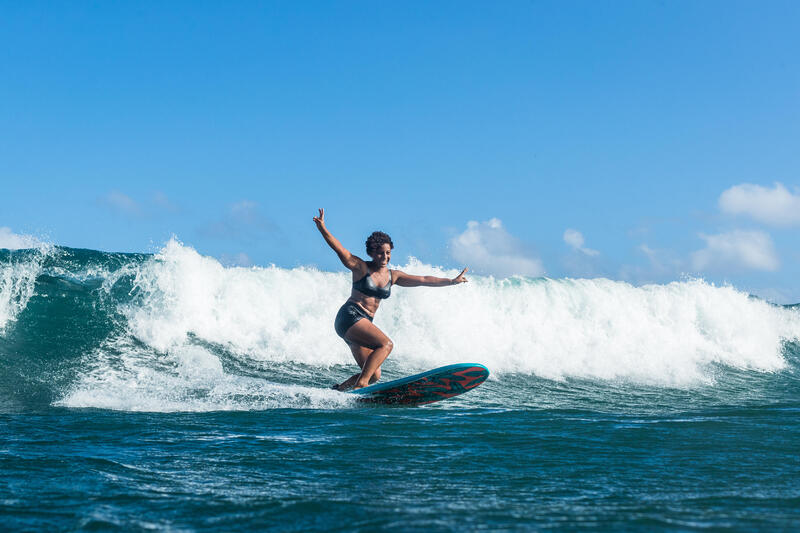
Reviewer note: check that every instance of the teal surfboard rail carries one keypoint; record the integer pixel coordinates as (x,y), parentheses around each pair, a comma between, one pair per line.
(427,387)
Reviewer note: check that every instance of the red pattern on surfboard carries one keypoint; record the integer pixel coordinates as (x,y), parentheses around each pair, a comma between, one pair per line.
(431,389)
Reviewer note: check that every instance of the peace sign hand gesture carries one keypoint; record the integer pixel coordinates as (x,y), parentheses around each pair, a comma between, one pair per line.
(460,278)
(320,220)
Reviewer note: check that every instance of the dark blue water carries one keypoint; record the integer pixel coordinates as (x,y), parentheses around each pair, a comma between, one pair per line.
(104,425)
(368,469)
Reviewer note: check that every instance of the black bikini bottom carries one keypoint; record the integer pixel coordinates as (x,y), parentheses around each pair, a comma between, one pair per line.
(348,314)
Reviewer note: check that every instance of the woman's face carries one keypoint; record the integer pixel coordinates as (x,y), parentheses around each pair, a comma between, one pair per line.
(382,254)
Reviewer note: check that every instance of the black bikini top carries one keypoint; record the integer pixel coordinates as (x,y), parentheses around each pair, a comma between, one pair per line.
(368,287)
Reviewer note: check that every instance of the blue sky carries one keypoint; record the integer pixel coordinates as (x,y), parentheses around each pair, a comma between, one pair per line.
(644,141)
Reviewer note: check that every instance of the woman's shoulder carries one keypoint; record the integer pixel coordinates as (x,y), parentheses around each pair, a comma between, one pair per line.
(360,269)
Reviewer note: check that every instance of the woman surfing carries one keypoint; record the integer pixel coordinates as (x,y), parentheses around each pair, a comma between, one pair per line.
(372,282)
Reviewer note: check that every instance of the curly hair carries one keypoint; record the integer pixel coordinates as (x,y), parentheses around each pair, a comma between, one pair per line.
(375,241)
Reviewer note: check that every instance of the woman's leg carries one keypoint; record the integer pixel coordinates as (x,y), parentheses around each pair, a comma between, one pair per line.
(360,354)
(365,334)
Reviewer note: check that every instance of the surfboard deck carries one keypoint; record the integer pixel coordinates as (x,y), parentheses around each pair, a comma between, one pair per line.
(428,387)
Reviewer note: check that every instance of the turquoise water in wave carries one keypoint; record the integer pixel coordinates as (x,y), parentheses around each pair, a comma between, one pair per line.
(169,392)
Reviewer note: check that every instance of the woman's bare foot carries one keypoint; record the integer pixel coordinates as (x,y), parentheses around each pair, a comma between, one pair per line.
(347,384)
(360,384)
(355,382)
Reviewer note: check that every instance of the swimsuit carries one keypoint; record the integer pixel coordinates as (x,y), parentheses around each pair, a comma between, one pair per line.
(351,312)
(368,287)
(348,314)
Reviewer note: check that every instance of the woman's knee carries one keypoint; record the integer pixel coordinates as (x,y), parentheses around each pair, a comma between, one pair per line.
(388,344)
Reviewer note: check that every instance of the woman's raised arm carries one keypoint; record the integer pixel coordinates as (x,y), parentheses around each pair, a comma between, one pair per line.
(407,280)
(349,260)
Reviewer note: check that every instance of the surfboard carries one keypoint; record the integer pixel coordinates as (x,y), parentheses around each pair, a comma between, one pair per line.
(428,387)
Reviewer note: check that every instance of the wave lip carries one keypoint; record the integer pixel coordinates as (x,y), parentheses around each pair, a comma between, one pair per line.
(18,281)
(183,332)
(668,335)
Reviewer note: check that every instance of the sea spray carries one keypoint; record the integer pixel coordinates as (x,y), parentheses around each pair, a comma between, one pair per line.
(179,331)
(18,272)
(553,328)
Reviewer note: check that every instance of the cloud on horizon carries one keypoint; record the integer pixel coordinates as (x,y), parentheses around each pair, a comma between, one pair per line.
(750,250)
(574,239)
(662,262)
(236,260)
(120,203)
(487,247)
(161,201)
(776,206)
(243,221)
(123,204)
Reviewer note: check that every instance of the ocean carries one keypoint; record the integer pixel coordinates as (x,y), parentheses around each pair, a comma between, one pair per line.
(169,392)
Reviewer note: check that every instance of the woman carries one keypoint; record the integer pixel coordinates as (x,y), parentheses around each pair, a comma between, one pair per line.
(372,282)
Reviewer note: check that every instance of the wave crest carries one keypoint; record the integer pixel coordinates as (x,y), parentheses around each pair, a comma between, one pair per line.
(555,328)
(180,331)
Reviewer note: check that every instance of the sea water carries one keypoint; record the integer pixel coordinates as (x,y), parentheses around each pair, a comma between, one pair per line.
(169,392)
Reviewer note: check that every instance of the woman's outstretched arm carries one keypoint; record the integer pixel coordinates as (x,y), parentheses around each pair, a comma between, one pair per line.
(407,280)
(349,260)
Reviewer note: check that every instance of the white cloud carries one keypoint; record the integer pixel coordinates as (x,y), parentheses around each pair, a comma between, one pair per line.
(11,241)
(163,202)
(649,252)
(735,250)
(121,203)
(245,210)
(657,262)
(238,260)
(663,262)
(574,238)
(244,206)
(777,206)
(662,265)
(243,221)
(488,247)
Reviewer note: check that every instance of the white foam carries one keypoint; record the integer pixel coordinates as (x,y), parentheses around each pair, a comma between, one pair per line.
(17,286)
(657,334)
(124,377)
(552,328)
(269,313)
(672,335)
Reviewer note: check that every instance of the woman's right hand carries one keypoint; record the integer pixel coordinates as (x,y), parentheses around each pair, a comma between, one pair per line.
(320,220)
(460,278)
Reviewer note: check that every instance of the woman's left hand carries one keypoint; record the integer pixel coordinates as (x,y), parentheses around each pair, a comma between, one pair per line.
(320,220)
(460,278)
